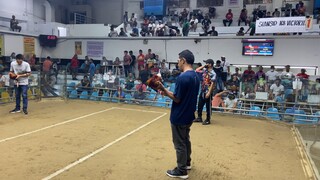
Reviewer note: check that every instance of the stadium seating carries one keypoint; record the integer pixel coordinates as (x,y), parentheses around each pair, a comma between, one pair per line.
(273,113)
(84,95)
(94,96)
(105,97)
(255,111)
(73,94)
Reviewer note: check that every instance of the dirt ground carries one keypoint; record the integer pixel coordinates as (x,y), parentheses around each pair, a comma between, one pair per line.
(57,133)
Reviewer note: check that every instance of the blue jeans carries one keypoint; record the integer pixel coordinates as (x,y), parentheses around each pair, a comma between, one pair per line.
(21,89)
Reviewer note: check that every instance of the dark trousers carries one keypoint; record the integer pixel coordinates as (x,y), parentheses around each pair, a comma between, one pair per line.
(127,70)
(225,22)
(182,145)
(204,101)
(21,90)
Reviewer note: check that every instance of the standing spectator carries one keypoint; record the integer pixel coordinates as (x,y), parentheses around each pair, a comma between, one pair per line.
(226,68)
(303,75)
(133,63)
(237,73)
(252,27)
(46,67)
(32,62)
(126,63)
(14,24)
(260,74)
(218,69)
(185,28)
(276,13)
(207,85)
(229,18)
(144,74)
(140,59)
(182,113)
(92,70)
(248,74)
(272,75)
(12,56)
(132,20)
(287,77)
(74,65)
(22,70)
(125,21)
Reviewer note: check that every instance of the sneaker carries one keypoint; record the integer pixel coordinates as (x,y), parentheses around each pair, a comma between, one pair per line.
(206,122)
(25,112)
(15,111)
(176,173)
(198,119)
(188,167)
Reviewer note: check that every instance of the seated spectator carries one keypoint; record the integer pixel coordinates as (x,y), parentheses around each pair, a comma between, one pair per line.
(276,91)
(233,84)
(165,72)
(229,18)
(230,103)
(213,32)
(112,33)
(155,69)
(193,24)
(133,21)
(272,75)
(240,32)
(135,32)
(261,85)
(217,100)
(206,24)
(268,15)
(129,81)
(122,33)
(140,91)
(243,17)
(119,93)
(237,73)
(174,74)
(84,84)
(144,74)
(14,24)
(248,90)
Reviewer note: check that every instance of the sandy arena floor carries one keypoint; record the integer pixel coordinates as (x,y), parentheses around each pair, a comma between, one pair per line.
(133,142)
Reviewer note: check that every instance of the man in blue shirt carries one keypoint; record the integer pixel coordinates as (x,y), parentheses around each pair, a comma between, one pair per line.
(182,112)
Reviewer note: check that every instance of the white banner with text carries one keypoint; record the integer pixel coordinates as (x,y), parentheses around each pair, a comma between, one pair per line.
(283,24)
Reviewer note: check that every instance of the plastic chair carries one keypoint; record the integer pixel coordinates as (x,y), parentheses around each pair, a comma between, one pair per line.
(105,97)
(161,102)
(273,113)
(94,96)
(317,118)
(128,98)
(71,86)
(73,94)
(255,111)
(299,117)
(172,87)
(84,95)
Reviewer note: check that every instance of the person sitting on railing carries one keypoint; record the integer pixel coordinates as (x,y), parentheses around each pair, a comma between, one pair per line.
(206,24)
(135,32)
(276,91)
(193,23)
(240,32)
(14,24)
(133,20)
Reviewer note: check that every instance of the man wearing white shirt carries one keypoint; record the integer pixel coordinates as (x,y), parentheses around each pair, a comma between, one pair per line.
(276,90)
(271,75)
(226,68)
(287,74)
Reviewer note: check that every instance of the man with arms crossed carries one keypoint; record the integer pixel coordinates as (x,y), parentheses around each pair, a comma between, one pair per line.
(23,71)
(182,112)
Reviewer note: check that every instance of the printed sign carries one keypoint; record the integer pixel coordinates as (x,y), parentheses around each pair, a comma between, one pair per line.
(95,49)
(1,45)
(78,47)
(28,43)
(281,25)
